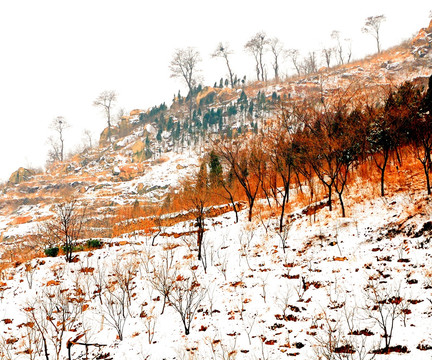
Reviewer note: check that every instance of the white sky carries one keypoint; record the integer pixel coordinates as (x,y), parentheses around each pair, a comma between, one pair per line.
(57,56)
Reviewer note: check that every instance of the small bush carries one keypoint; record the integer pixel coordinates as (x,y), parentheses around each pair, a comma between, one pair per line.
(94,243)
(52,252)
(74,248)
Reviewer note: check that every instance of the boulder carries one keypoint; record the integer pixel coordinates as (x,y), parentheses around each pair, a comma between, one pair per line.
(206,95)
(139,152)
(103,139)
(135,112)
(20,176)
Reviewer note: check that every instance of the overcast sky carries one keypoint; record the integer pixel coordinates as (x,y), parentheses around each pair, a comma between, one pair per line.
(57,56)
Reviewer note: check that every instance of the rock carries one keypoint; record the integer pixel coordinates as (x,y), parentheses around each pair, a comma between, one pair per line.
(393,66)
(124,127)
(139,152)
(20,176)
(206,95)
(140,189)
(116,171)
(135,112)
(422,43)
(103,139)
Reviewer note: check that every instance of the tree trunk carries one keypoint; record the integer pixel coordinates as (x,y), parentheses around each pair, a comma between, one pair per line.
(282,212)
(164,303)
(230,72)
(426,170)
(235,210)
(330,197)
(285,198)
(251,204)
(342,203)
(200,235)
(383,168)
(383,177)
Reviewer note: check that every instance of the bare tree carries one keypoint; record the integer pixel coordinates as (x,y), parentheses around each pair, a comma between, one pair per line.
(310,64)
(196,194)
(66,226)
(184,65)
(327,54)
(339,52)
(224,51)
(246,161)
(59,125)
(277,49)
(293,54)
(256,46)
(372,27)
(87,139)
(348,49)
(106,101)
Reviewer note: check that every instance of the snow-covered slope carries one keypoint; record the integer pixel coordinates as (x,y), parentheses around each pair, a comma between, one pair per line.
(253,299)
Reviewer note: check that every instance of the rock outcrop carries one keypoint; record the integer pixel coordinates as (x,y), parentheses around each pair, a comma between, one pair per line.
(21,175)
(422,43)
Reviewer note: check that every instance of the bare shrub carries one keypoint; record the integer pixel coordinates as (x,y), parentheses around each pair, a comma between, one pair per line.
(186,296)
(164,275)
(383,304)
(150,321)
(125,271)
(115,308)
(53,313)
(65,228)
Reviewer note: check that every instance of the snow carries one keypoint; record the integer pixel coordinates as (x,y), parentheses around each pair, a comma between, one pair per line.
(249,281)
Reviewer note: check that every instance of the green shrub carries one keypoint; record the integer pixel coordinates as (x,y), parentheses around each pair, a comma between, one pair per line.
(94,243)
(52,252)
(74,248)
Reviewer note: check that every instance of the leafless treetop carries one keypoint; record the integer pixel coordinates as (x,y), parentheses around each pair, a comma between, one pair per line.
(184,65)
(372,27)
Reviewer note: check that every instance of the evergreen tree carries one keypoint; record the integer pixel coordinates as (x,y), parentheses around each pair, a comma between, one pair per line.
(251,108)
(170,123)
(176,134)
(215,174)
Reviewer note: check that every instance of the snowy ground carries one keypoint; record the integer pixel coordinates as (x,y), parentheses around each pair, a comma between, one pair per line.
(254,301)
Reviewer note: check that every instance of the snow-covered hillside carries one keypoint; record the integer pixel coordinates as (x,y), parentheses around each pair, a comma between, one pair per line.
(249,298)
(326,287)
